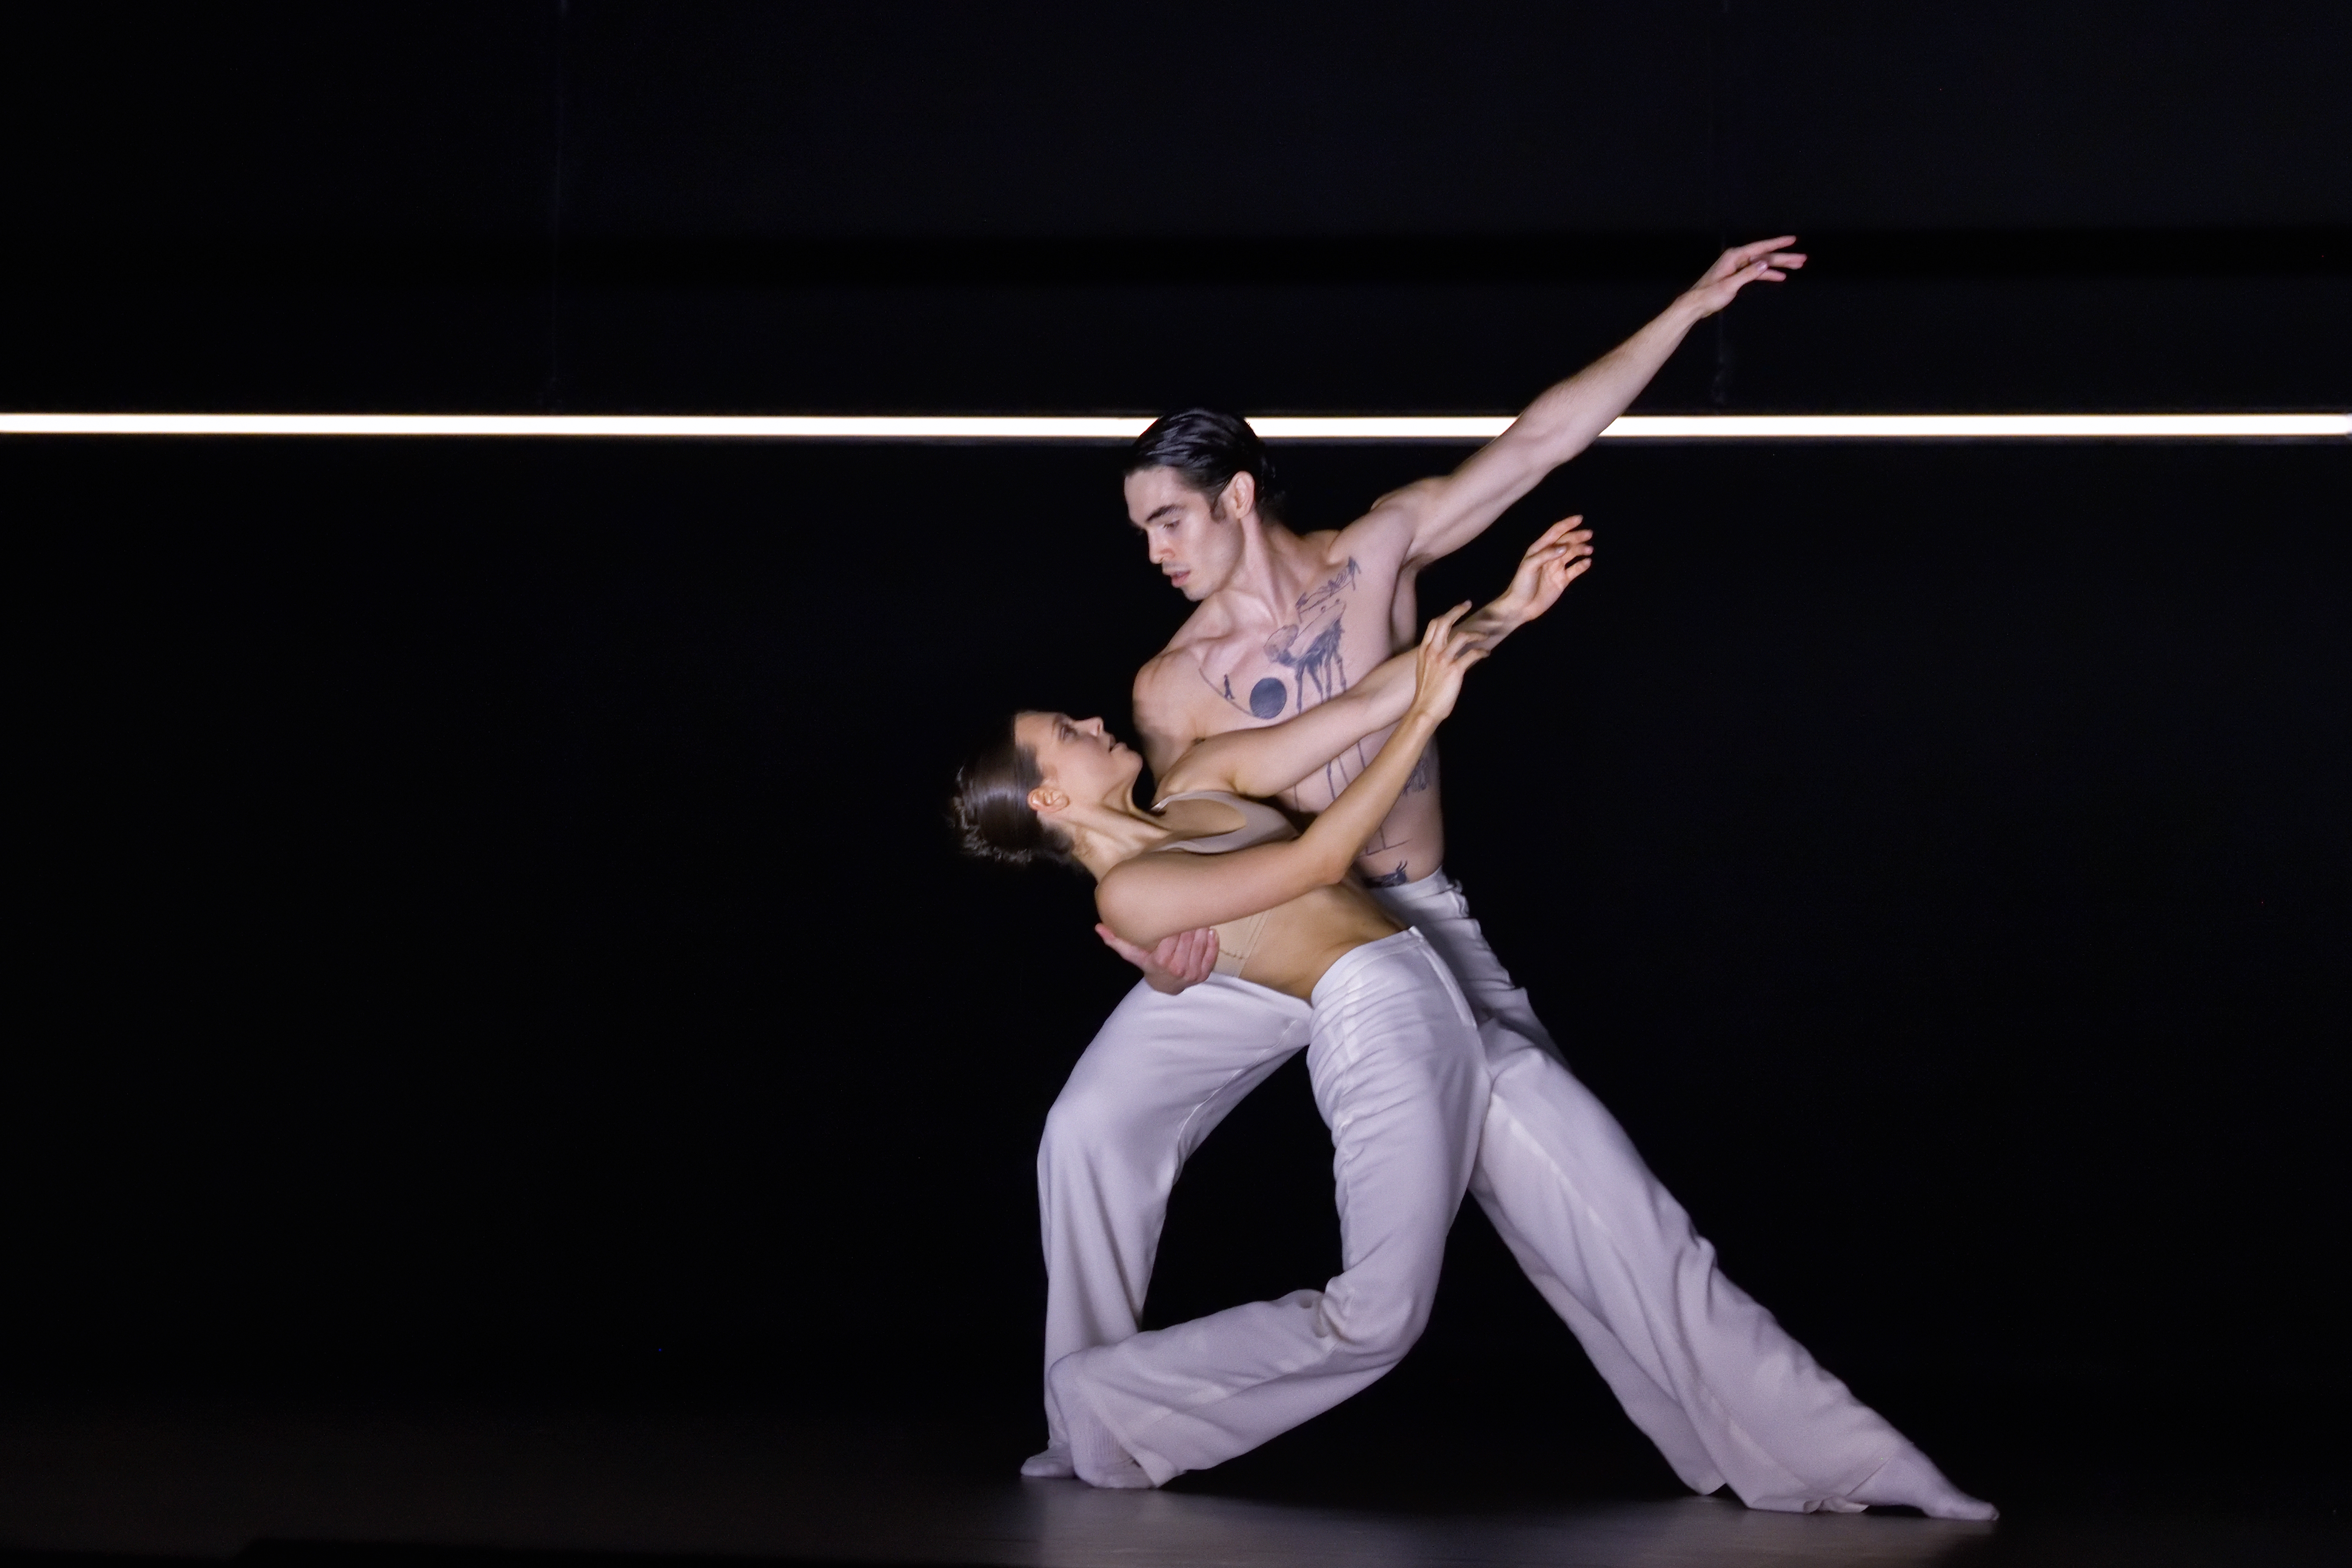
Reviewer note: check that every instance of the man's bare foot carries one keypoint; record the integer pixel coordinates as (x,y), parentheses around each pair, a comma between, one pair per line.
(1911,1479)
(1095,1452)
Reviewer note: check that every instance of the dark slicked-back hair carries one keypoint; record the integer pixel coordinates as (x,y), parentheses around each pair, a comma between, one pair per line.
(991,813)
(1206,448)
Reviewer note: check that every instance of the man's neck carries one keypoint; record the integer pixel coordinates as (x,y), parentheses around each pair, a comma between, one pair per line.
(1262,593)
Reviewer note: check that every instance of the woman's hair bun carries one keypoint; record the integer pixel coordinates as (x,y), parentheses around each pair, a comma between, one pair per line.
(990,810)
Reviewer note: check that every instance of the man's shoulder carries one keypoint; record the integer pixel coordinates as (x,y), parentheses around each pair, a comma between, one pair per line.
(1157,670)
(1166,683)
(1324,550)
(1376,543)
(1167,700)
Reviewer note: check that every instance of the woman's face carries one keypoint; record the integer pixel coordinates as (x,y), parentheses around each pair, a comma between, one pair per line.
(1078,756)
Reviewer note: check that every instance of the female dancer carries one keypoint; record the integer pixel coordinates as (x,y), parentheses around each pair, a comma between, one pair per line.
(1393,1052)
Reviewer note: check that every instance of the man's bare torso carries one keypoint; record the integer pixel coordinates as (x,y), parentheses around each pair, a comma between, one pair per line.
(1344,616)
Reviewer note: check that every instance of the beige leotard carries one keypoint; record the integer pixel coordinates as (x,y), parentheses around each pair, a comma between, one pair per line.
(1261,823)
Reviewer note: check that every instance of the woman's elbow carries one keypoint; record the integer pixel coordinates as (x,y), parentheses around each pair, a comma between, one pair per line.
(1333,863)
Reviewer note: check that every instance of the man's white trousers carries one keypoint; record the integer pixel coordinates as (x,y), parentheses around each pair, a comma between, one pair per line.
(1706,1373)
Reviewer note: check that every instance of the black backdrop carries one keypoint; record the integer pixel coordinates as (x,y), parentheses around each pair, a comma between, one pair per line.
(489,908)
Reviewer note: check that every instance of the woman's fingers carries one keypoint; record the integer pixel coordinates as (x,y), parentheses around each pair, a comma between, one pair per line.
(1566,535)
(1560,530)
(1441,627)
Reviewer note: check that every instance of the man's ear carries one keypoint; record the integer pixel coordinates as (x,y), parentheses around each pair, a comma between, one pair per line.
(1233,502)
(1046,800)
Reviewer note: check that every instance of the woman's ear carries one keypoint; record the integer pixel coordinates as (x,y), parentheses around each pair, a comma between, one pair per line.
(1046,800)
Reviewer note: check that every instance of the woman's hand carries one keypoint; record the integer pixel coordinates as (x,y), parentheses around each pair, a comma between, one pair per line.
(1560,554)
(1447,652)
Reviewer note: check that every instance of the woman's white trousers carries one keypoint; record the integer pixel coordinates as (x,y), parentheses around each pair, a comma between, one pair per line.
(1706,1372)
(1400,1080)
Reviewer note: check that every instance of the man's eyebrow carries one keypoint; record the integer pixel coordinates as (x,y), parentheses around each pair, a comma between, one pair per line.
(1169,506)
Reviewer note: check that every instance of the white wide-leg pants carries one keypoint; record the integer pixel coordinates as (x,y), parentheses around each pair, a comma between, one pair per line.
(1706,1372)
(1400,1080)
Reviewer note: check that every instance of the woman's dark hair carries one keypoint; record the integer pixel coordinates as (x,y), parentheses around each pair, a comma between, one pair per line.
(992,811)
(1207,450)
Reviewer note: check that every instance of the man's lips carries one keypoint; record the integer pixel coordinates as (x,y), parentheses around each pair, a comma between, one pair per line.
(1178,576)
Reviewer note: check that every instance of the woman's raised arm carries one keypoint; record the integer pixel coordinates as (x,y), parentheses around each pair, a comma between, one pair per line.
(1266,762)
(1155,896)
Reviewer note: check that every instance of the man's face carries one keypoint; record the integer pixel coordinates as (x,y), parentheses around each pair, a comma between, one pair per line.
(1193,540)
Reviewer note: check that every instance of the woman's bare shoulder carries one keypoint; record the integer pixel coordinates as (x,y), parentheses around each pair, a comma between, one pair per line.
(1200,817)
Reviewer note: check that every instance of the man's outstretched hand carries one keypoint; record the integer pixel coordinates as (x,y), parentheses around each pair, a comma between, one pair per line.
(1762,262)
(1185,958)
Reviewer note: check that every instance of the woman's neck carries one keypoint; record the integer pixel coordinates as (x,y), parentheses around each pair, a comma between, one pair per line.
(1114,831)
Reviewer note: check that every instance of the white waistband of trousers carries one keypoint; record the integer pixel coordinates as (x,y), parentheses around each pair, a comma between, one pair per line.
(1343,968)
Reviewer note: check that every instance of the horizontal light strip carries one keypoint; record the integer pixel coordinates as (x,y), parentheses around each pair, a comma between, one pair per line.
(1089,427)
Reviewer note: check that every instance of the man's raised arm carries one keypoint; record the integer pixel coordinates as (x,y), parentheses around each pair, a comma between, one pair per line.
(1439,516)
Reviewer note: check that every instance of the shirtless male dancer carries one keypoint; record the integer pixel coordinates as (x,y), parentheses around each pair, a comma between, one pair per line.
(1283,622)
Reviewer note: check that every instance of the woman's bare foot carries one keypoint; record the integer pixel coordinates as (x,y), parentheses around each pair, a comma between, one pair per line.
(1095,1452)
(1049,1465)
(1911,1479)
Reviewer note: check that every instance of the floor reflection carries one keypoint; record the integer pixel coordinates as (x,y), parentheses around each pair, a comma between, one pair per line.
(1076,1527)
(434,1486)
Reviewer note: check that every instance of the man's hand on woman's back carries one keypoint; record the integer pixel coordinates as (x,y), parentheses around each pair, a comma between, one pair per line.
(1177,962)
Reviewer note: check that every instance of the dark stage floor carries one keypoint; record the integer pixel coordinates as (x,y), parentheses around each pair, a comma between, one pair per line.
(426,1484)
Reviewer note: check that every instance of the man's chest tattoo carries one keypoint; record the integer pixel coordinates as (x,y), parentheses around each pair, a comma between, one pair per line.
(1311,649)
(1315,662)
(1311,653)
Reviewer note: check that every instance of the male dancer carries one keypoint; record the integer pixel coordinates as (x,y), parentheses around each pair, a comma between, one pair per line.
(1728,1396)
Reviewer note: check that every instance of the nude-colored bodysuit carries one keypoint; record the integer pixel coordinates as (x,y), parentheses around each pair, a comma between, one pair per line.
(1261,823)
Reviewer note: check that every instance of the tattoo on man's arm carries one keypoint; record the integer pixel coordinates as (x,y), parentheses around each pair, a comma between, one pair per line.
(1395,878)
(1338,582)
